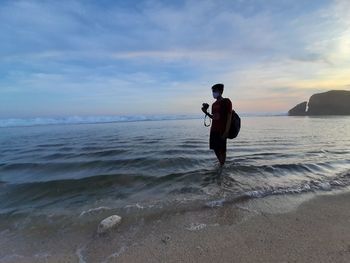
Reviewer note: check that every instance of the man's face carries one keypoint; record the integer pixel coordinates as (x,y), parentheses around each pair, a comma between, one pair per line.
(216,93)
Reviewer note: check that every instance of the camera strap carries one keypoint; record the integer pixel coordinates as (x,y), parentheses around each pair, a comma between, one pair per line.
(205,122)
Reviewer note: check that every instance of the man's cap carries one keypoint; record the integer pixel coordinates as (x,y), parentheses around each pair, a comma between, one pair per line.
(218,86)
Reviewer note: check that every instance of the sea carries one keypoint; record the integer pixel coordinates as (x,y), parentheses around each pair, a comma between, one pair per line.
(64,171)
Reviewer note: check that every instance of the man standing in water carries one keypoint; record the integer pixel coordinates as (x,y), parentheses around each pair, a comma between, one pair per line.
(221,115)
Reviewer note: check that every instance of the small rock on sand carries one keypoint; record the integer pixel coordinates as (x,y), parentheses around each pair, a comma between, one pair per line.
(165,239)
(108,223)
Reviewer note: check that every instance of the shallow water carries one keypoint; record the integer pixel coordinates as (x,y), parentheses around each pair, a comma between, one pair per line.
(77,174)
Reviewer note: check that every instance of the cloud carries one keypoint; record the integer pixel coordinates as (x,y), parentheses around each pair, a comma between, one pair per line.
(76,27)
(111,52)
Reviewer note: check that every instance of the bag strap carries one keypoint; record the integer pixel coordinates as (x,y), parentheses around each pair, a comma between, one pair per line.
(225,103)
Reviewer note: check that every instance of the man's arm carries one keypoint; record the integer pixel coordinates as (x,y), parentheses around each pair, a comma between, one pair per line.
(207,113)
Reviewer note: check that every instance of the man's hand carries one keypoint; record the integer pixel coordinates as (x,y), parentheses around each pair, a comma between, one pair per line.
(207,113)
(224,136)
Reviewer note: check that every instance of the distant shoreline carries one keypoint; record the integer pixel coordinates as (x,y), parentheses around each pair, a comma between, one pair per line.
(35,122)
(74,120)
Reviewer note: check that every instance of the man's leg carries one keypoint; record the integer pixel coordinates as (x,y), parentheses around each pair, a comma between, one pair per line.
(221,155)
(217,153)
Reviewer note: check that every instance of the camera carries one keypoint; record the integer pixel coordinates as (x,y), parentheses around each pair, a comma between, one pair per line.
(205,107)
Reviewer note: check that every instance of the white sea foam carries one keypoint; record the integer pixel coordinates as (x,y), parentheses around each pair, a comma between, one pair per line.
(94,210)
(196,227)
(215,203)
(324,186)
(137,205)
(115,255)
(255,194)
(337,183)
(79,254)
(16,122)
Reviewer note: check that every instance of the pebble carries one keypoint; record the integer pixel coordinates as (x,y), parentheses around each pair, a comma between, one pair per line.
(166,239)
(108,223)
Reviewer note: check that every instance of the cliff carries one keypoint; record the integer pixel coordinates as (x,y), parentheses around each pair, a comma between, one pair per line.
(299,110)
(334,102)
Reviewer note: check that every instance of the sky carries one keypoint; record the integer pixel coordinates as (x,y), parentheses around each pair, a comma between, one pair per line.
(104,57)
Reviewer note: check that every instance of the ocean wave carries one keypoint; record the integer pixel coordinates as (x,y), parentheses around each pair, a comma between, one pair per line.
(119,185)
(311,186)
(20,122)
(190,183)
(153,167)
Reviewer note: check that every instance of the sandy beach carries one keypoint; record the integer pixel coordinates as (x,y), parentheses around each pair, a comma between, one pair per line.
(317,231)
(275,229)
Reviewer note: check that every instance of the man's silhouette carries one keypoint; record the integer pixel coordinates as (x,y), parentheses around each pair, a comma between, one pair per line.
(221,113)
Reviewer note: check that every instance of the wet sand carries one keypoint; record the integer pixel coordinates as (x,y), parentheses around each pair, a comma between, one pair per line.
(275,229)
(317,231)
